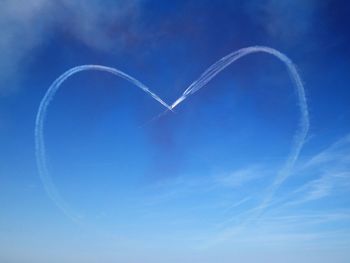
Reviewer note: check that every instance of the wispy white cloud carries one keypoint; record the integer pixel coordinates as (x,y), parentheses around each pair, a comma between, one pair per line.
(277,18)
(301,229)
(28,24)
(338,154)
(325,175)
(20,34)
(324,186)
(228,182)
(238,178)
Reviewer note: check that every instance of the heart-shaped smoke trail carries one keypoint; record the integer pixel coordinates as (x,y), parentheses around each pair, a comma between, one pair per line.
(209,74)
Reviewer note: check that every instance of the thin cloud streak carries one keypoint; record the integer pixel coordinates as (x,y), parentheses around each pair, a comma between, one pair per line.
(330,178)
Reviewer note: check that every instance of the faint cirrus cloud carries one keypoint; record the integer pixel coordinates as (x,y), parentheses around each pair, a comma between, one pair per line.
(27,25)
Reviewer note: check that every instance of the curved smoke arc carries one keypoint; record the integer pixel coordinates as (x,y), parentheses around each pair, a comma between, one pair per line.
(40,150)
(304,123)
(208,75)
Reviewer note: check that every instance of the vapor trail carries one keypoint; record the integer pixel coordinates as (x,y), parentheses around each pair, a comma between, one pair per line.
(301,133)
(40,120)
(208,75)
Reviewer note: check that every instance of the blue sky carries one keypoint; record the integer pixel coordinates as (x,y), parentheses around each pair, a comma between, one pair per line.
(184,187)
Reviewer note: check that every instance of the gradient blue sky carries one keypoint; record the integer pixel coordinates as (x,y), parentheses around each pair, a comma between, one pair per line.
(181,188)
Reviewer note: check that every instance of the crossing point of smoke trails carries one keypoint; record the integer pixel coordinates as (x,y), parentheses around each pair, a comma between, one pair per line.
(208,75)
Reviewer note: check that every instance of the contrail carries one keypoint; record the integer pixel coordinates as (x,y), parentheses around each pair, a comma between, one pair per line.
(39,127)
(208,75)
(304,123)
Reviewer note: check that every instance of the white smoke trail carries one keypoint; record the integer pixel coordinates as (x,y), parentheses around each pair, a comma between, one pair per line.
(209,74)
(39,128)
(300,135)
